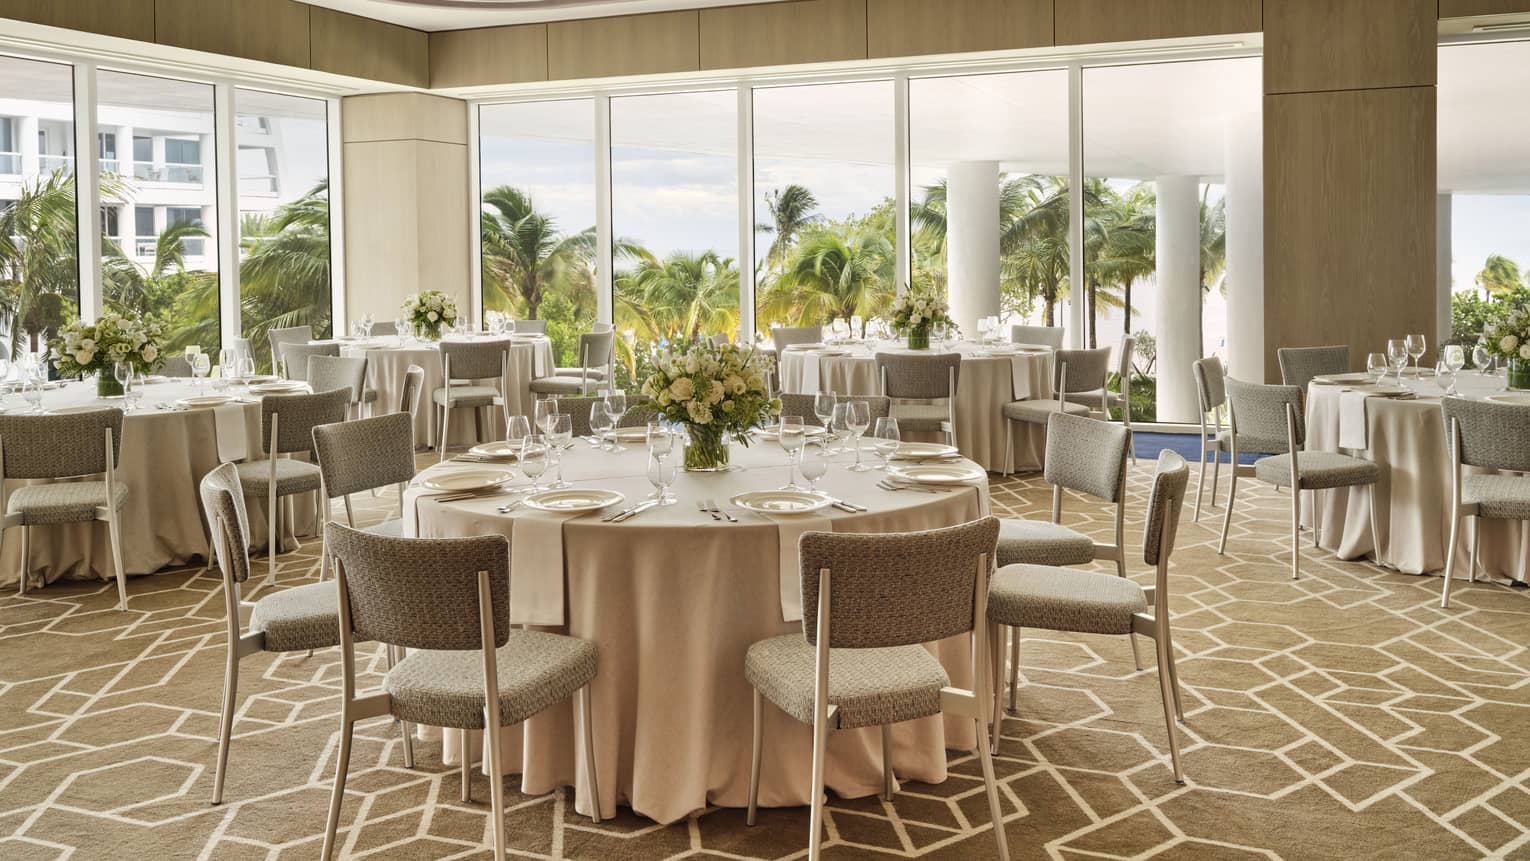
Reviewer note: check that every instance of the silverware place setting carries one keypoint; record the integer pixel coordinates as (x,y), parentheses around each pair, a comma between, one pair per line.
(718,513)
(889,484)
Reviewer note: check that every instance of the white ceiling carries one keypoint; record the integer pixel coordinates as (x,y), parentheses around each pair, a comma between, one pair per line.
(461,14)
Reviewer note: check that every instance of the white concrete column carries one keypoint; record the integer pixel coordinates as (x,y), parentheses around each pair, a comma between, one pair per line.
(125,151)
(1443,259)
(26,131)
(1245,247)
(1179,295)
(972,242)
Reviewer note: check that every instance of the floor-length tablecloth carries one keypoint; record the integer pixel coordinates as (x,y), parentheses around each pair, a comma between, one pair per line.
(673,600)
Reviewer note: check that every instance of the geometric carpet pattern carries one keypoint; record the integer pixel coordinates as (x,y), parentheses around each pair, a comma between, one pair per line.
(1342,715)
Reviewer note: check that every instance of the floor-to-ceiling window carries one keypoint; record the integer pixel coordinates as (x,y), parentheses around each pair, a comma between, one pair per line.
(282,160)
(39,265)
(825,186)
(163,262)
(537,219)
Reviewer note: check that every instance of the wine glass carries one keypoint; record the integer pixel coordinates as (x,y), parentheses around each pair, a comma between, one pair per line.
(616,405)
(1455,357)
(544,412)
(662,472)
(401,329)
(887,440)
(366,326)
(660,441)
(1397,352)
(225,370)
(1482,359)
(815,464)
(132,392)
(823,408)
(1377,365)
(858,420)
(560,436)
(200,367)
(792,435)
(517,431)
(247,367)
(32,390)
(1445,378)
(122,372)
(1416,347)
(534,460)
(601,422)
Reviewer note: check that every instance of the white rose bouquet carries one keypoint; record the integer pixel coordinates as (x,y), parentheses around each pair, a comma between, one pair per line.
(429,310)
(915,311)
(83,348)
(1507,336)
(716,392)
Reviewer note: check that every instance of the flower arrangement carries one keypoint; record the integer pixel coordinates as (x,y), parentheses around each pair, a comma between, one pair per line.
(915,311)
(429,310)
(81,348)
(1506,334)
(713,391)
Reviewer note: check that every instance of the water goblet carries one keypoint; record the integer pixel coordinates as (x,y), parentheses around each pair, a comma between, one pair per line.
(662,472)
(32,392)
(858,420)
(1416,346)
(1455,357)
(517,431)
(1482,359)
(1445,378)
(815,464)
(543,412)
(823,408)
(1377,365)
(122,372)
(602,423)
(616,405)
(560,437)
(792,435)
(132,392)
(887,440)
(534,460)
(200,368)
(401,329)
(661,443)
(1397,353)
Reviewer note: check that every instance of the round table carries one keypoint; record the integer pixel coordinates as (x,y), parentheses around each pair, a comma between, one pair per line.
(987,382)
(1407,437)
(674,598)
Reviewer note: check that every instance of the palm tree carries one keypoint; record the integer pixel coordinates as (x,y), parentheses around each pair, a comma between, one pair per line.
(1120,248)
(835,272)
(1499,275)
(38,269)
(525,255)
(185,300)
(792,208)
(284,277)
(682,296)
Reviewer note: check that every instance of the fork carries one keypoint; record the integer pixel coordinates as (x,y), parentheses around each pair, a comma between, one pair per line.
(888,485)
(712,506)
(705,506)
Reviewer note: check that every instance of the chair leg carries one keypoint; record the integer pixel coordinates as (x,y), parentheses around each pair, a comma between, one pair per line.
(1450,560)
(1232,495)
(756,751)
(1216,474)
(1317,518)
(1165,689)
(491,740)
(820,756)
(467,767)
(208,564)
(1296,533)
(995,812)
(996,634)
(887,766)
(1471,568)
(114,534)
(1136,655)
(273,537)
(1200,483)
(1009,447)
(478,424)
(588,729)
(406,733)
(1179,706)
(1014,668)
(446,423)
(342,765)
(26,558)
(226,720)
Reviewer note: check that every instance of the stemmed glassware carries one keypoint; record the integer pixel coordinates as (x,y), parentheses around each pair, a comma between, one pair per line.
(544,414)
(200,367)
(1416,346)
(1452,360)
(792,436)
(601,423)
(662,468)
(560,437)
(33,381)
(815,464)
(1482,359)
(616,404)
(1397,353)
(1377,365)
(401,329)
(122,372)
(534,460)
(823,408)
(132,391)
(366,326)
(517,432)
(857,420)
(887,440)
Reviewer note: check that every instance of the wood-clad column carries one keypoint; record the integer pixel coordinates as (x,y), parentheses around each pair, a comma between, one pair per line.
(1349,154)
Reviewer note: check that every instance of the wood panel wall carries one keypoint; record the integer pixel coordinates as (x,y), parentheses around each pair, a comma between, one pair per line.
(907,28)
(128,19)
(773,34)
(1083,22)
(1467,8)
(274,31)
(490,55)
(364,48)
(626,45)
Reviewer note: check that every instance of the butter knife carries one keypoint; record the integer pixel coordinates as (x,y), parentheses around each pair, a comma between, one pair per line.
(634,511)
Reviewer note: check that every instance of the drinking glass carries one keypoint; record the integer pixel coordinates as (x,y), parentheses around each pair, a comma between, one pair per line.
(823,408)
(1455,357)
(1397,352)
(132,392)
(200,367)
(616,405)
(1376,365)
(1445,377)
(815,464)
(122,372)
(601,422)
(1482,359)
(366,326)
(887,439)
(660,441)
(225,370)
(401,329)
(191,352)
(661,474)
(792,435)
(247,367)
(534,460)
(1416,347)
(517,431)
(857,326)
(560,437)
(32,391)
(859,420)
(543,414)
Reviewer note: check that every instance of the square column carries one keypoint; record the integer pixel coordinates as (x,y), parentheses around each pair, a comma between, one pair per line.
(972,242)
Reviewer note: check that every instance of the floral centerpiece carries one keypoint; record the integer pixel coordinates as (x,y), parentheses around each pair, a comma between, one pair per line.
(82,348)
(914,312)
(1506,335)
(715,392)
(430,310)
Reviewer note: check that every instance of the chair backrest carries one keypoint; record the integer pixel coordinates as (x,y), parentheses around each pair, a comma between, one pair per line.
(785,336)
(1124,357)
(1045,336)
(802,405)
(300,414)
(1169,483)
(529,327)
(896,588)
(1209,385)
(176,366)
(1086,369)
(384,327)
(365,454)
(414,383)
(294,364)
(1298,365)
(326,373)
(289,335)
(1086,455)
(58,446)
(1493,435)
(223,503)
(476,360)
(719,339)
(924,376)
(421,593)
(1257,415)
(597,349)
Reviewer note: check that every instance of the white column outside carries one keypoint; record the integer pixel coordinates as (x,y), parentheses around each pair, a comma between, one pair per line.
(1245,248)
(125,151)
(972,242)
(26,129)
(1443,231)
(1179,296)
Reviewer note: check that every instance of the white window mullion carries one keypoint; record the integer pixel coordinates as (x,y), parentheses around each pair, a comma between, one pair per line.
(87,191)
(226,231)
(904,171)
(339,317)
(603,238)
(475,216)
(748,278)
(1076,275)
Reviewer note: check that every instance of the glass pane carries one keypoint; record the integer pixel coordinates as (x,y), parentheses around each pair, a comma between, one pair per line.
(284,267)
(39,272)
(1171,151)
(167,266)
(674,202)
(825,189)
(538,225)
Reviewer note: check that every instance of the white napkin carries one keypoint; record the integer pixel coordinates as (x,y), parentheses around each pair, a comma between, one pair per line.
(230,429)
(790,530)
(1352,429)
(1020,377)
(536,567)
(810,376)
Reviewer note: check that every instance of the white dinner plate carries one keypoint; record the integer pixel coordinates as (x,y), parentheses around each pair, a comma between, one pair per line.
(774,431)
(529,336)
(1343,379)
(923,450)
(1004,352)
(782,501)
(286,387)
(1387,391)
(1519,399)
(499,449)
(66,411)
(573,499)
(468,480)
(633,434)
(938,473)
(155,378)
(800,347)
(204,401)
(1033,348)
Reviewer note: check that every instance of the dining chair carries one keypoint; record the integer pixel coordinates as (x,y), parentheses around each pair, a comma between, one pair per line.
(384,328)
(1092,602)
(720,339)
(277,338)
(302,618)
(1298,365)
(53,447)
(921,378)
(447,600)
(802,405)
(294,365)
(464,364)
(176,366)
(1212,395)
(365,454)
(1073,371)
(597,353)
(326,373)
(529,327)
(1042,336)
(786,336)
(869,604)
(409,396)
(1107,399)
(286,424)
(1267,419)
(1485,435)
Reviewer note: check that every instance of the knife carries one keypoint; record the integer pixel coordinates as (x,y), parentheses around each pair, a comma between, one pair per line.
(634,511)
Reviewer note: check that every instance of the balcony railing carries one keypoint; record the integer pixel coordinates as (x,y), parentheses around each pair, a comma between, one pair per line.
(51,163)
(181,173)
(10,162)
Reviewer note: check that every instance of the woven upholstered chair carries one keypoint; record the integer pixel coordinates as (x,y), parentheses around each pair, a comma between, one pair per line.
(384,328)
(447,600)
(1104,399)
(295,358)
(61,447)
(1090,602)
(464,365)
(414,383)
(1041,336)
(1268,420)
(578,410)
(176,366)
(278,338)
(287,423)
(303,618)
(326,373)
(719,340)
(869,603)
(366,454)
(802,405)
(1298,365)
(1485,435)
(923,379)
(1073,372)
(1211,392)
(529,327)
(597,352)
(786,336)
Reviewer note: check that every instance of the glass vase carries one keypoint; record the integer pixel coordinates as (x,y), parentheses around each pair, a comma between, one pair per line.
(1518,371)
(707,450)
(107,385)
(919,338)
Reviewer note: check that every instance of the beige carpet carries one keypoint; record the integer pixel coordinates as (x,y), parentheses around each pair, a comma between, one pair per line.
(1344,715)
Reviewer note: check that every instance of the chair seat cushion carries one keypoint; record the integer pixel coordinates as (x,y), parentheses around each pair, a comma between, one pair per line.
(297,619)
(1500,496)
(1319,470)
(467,396)
(921,418)
(561,385)
(1039,411)
(390,528)
(1251,444)
(536,670)
(61,502)
(1091,399)
(292,476)
(1064,599)
(1038,542)
(872,687)
(595,373)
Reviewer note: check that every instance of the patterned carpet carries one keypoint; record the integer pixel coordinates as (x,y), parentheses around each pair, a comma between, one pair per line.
(1344,715)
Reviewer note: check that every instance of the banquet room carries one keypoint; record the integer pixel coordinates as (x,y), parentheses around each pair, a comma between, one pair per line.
(764,429)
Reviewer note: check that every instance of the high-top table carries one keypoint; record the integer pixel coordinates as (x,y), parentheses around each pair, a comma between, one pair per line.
(674,599)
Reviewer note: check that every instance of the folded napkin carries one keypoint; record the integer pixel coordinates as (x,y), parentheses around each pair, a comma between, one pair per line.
(1020,377)
(790,530)
(232,432)
(536,567)
(810,374)
(1352,422)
